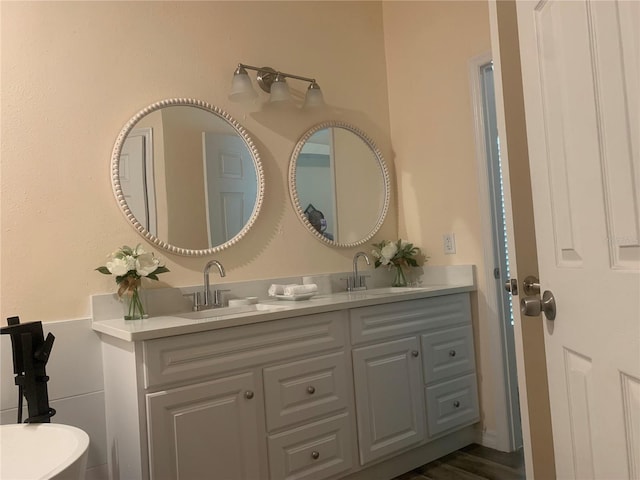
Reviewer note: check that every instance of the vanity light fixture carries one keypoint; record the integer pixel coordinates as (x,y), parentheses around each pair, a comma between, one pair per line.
(273,82)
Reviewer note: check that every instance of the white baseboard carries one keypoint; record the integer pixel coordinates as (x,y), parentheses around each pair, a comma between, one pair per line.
(489,439)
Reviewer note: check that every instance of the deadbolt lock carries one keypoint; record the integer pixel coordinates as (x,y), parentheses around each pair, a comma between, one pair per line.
(531,285)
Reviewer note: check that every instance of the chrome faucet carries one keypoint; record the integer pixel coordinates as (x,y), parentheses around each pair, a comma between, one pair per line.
(208,301)
(357,281)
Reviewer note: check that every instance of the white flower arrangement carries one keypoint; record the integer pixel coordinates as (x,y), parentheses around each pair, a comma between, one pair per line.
(129,265)
(398,253)
(397,256)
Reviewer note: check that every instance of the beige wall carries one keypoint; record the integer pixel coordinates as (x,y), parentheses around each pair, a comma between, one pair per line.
(428,48)
(73,73)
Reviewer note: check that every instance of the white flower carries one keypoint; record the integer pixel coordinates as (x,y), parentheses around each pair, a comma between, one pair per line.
(145,264)
(118,266)
(387,252)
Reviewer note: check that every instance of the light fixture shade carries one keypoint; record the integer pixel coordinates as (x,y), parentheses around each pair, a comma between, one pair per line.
(241,87)
(314,96)
(280,90)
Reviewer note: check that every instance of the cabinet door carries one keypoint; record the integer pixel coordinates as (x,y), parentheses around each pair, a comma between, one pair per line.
(389,397)
(208,430)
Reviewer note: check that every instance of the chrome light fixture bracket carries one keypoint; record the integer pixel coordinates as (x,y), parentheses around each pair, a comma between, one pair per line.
(265,77)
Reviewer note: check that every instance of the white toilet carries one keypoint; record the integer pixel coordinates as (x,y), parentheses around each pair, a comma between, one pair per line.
(43,451)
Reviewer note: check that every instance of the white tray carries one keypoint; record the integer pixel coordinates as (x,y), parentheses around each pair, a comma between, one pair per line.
(300,296)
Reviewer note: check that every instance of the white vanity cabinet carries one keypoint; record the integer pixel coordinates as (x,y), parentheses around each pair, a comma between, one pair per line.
(362,391)
(416,357)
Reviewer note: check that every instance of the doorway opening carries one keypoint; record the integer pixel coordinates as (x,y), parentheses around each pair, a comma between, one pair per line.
(508,434)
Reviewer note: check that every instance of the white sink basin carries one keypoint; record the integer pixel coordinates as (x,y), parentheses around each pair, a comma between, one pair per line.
(226,311)
(42,450)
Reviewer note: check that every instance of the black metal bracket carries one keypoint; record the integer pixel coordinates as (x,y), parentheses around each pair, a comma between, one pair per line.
(31,353)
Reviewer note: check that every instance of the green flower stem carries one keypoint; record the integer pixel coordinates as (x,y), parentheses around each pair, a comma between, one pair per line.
(399,279)
(136,309)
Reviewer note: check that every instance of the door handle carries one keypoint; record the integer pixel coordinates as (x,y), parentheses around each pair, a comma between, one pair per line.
(511,286)
(533,306)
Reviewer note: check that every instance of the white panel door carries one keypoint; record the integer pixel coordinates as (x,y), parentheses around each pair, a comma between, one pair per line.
(580,63)
(389,397)
(230,185)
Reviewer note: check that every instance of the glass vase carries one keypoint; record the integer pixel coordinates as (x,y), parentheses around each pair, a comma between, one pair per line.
(133,304)
(399,277)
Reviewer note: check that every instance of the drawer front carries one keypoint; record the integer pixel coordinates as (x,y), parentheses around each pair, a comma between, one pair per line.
(402,318)
(305,389)
(452,404)
(182,358)
(447,353)
(313,452)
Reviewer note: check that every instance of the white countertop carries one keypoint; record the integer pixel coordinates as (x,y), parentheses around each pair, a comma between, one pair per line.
(169,325)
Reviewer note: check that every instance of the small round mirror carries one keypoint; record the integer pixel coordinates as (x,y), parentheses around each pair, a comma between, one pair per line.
(339,184)
(187,176)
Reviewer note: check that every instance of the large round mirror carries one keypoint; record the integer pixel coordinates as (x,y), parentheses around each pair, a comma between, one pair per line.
(339,184)
(187,176)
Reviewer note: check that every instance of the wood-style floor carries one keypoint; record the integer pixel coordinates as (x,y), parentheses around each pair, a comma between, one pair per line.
(473,462)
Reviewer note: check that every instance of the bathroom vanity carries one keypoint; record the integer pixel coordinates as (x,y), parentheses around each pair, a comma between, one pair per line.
(350,385)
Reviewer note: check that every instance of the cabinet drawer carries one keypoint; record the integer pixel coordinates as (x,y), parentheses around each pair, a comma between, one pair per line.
(305,389)
(452,404)
(447,353)
(402,318)
(312,452)
(185,357)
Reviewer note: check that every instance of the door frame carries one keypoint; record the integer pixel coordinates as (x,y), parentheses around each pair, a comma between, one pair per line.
(535,413)
(504,437)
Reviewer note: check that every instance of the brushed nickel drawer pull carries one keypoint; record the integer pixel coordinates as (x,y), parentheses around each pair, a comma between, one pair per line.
(452,353)
(315,455)
(248,394)
(311,390)
(456,404)
(415,353)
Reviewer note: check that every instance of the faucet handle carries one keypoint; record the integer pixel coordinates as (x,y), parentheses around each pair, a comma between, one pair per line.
(356,283)
(217,296)
(195,299)
(362,281)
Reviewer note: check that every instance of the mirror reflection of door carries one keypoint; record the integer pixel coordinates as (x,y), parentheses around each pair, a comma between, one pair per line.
(136,177)
(315,178)
(230,185)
